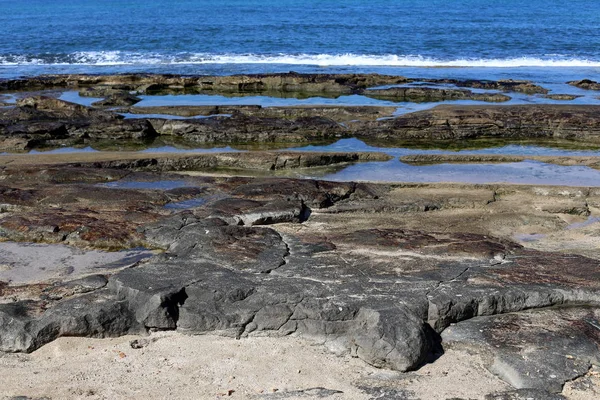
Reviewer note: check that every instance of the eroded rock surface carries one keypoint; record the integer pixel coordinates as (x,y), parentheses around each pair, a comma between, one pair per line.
(44,121)
(538,349)
(468,122)
(103,85)
(427,94)
(365,269)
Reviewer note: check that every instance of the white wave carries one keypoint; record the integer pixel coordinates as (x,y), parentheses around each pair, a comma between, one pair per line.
(115,58)
(398,61)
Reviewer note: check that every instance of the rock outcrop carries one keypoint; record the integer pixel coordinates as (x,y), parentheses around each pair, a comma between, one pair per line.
(242,263)
(430,94)
(585,84)
(469,122)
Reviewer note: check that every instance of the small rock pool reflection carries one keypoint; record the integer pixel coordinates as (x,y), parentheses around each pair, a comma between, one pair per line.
(525,172)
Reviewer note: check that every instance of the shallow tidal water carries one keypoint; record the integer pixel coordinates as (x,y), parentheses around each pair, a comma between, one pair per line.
(525,172)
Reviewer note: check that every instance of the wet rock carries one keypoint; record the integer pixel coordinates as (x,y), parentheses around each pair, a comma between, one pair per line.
(585,84)
(256,160)
(286,82)
(38,121)
(104,91)
(468,122)
(427,94)
(118,99)
(561,96)
(53,107)
(336,113)
(278,82)
(115,229)
(194,111)
(243,128)
(506,85)
(45,121)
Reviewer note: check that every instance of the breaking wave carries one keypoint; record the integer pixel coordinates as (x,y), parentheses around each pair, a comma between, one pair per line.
(108,58)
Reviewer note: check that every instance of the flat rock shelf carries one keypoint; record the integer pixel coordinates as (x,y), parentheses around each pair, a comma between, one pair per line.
(399,279)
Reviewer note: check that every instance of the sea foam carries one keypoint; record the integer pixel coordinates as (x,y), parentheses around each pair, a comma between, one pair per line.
(108,58)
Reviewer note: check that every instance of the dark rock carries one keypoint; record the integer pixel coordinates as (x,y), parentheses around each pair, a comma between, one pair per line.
(27,398)
(141,343)
(561,96)
(87,284)
(428,94)
(59,108)
(104,91)
(506,85)
(382,294)
(118,99)
(313,393)
(385,393)
(468,122)
(539,349)
(44,120)
(315,194)
(242,128)
(236,211)
(269,161)
(525,394)
(92,315)
(585,84)
(286,82)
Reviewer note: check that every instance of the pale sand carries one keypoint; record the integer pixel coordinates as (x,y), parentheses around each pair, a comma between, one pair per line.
(177,366)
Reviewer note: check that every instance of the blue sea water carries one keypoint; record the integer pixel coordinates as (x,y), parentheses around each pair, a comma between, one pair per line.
(539,39)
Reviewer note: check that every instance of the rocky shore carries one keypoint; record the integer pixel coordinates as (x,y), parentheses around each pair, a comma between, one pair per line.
(103,85)
(377,279)
(38,120)
(496,280)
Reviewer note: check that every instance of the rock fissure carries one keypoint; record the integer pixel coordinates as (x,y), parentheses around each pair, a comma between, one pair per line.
(577,377)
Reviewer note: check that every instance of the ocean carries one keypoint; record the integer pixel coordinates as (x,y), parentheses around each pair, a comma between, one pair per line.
(546,41)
